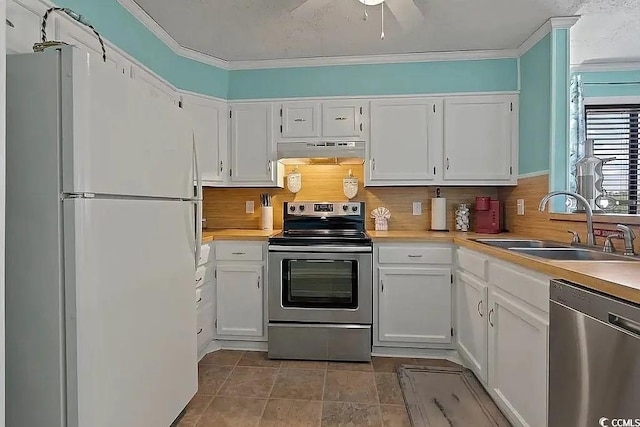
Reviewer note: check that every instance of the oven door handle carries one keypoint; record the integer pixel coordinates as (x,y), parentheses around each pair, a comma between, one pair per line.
(326,249)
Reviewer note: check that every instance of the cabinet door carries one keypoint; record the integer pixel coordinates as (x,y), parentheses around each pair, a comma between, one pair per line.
(76,34)
(479,138)
(414,305)
(518,365)
(341,119)
(239,300)
(156,86)
(252,144)
(300,120)
(209,123)
(471,322)
(405,145)
(24,30)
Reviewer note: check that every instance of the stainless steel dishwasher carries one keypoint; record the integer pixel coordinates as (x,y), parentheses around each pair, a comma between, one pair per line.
(594,358)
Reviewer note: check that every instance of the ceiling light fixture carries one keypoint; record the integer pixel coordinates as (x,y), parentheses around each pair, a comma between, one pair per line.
(366,15)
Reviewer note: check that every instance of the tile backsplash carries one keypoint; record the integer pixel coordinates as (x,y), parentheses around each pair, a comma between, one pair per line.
(225,207)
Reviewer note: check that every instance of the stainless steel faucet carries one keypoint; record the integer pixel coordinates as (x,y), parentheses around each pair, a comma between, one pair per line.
(591,238)
(629,237)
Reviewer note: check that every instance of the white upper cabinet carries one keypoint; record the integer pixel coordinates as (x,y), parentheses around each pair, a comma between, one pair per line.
(414,305)
(300,120)
(480,139)
(24,30)
(209,123)
(471,322)
(341,119)
(73,33)
(157,87)
(252,148)
(405,145)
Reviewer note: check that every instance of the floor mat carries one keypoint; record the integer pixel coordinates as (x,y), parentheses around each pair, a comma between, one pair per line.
(447,397)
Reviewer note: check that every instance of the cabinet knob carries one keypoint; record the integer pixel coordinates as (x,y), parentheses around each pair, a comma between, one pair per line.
(199,331)
(258,282)
(447,163)
(299,120)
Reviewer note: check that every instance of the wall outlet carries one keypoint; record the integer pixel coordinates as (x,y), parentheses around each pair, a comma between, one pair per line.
(417,208)
(248,206)
(520,206)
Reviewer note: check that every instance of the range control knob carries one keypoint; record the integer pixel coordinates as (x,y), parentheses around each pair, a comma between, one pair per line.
(301,208)
(292,208)
(354,208)
(345,208)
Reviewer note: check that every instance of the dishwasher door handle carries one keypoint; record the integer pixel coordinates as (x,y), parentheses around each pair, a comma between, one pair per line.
(624,323)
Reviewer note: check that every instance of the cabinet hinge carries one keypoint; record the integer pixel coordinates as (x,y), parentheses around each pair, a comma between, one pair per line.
(510,170)
(280,128)
(511,106)
(230,172)
(180,104)
(452,278)
(451,331)
(215,324)
(215,274)
(281,112)
(360,110)
(230,112)
(434,108)
(434,170)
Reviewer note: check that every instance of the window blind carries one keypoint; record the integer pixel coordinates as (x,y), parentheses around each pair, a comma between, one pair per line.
(614,130)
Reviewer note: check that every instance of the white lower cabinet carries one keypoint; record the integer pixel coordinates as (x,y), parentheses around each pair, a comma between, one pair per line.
(412,299)
(205,327)
(471,322)
(502,329)
(518,359)
(239,301)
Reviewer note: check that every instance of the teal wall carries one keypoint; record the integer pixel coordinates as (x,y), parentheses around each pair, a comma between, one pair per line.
(376,79)
(592,88)
(115,23)
(559,176)
(123,29)
(535,108)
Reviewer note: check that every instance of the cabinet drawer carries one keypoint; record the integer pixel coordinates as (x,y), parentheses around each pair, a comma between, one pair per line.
(413,255)
(204,295)
(526,285)
(205,326)
(239,251)
(205,253)
(473,263)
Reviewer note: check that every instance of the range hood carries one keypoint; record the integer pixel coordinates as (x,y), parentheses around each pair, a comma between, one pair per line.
(345,152)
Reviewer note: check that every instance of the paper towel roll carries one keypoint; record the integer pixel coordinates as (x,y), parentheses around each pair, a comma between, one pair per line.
(439,214)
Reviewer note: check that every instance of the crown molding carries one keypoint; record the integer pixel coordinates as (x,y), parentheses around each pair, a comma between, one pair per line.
(558,23)
(606,66)
(375,59)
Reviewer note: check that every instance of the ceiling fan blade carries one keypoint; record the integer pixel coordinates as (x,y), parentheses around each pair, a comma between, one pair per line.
(307,8)
(406,12)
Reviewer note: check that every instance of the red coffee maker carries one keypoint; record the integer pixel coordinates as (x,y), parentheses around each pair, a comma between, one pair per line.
(489,215)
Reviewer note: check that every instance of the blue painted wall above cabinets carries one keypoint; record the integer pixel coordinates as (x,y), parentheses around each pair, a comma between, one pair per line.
(489,75)
(535,108)
(598,83)
(116,24)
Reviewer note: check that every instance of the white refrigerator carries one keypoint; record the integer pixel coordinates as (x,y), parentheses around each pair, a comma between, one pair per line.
(102,240)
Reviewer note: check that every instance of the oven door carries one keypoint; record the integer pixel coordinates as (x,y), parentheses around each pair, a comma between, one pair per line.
(326,287)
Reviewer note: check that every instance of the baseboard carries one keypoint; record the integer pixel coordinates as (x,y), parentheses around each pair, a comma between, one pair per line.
(420,353)
(242,345)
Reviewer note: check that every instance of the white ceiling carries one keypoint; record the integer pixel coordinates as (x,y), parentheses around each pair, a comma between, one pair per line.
(608,31)
(236,30)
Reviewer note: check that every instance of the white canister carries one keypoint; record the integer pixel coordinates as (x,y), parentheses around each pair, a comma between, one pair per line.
(266,218)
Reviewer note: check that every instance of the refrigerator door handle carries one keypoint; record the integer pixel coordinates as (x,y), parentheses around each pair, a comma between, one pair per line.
(198,202)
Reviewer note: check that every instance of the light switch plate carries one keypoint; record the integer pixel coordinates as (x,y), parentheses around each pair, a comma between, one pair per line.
(249,206)
(520,206)
(417,208)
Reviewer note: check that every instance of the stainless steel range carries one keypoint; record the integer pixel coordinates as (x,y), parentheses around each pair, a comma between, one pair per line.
(321,283)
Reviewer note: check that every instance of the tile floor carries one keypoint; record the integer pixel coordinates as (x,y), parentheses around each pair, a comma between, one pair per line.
(243,389)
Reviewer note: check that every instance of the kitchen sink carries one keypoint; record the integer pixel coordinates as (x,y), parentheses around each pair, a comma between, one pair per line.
(519,243)
(570,254)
